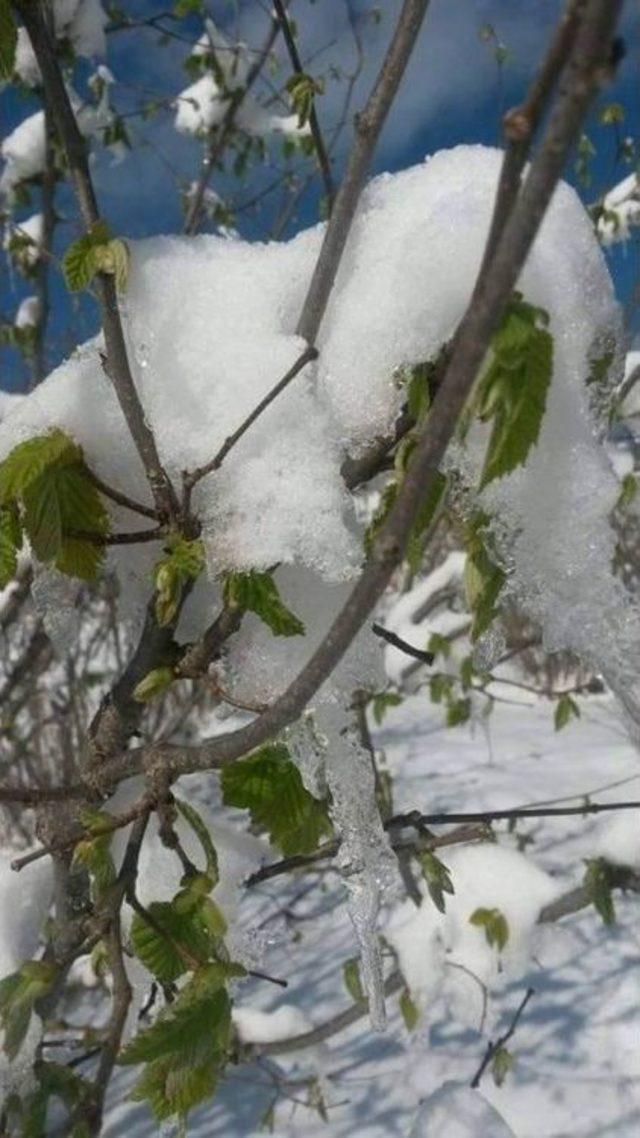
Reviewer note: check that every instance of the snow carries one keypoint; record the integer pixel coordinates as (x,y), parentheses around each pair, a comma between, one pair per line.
(81,22)
(31,227)
(203,104)
(26,896)
(28,314)
(618,840)
(279,495)
(254,1026)
(456,1111)
(23,152)
(489,877)
(621,211)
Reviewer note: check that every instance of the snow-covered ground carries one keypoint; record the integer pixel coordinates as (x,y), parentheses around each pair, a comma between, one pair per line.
(577,1047)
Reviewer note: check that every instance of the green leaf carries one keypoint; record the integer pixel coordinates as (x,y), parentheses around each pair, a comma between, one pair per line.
(10,543)
(183,561)
(59,505)
(513,390)
(494,923)
(597,880)
(154,683)
(628,491)
(439,645)
(381,703)
(94,853)
(258,593)
(189,1031)
(8,40)
(437,878)
(483,579)
(352,981)
(18,994)
(170,955)
(79,262)
(59,1082)
(427,513)
(501,1064)
(566,708)
(172,1088)
(196,822)
(458,712)
(28,460)
(408,1010)
(268,784)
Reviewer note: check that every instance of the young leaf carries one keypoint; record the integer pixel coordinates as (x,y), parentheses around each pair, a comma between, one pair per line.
(183,561)
(458,712)
(566,708)
(268,784)
(258,593)
(62,502)
(408,1010)
(79,262)
(18,994)
(483,579)
(94,853)
(501,1064)
(112,258)
(352,981)
(195,820)
(8,40)
(29,459)
(597,882)
(174,1088)
(170,942)
(494,923)
(381,703)
(190,1030)
(437,878)
(513,390)
(154,683)
(10,542)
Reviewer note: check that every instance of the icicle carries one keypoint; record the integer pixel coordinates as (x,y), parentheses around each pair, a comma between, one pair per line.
(366,861)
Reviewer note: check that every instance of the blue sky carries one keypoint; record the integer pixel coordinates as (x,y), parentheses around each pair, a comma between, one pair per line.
(453,92)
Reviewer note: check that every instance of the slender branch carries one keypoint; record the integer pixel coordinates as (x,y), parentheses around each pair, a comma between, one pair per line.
(397,642)
(120,498)
(368,126)
(415,818)
(194,476)
(316,133)
(117,362)
(34,795)
(500,1042)
(133,537)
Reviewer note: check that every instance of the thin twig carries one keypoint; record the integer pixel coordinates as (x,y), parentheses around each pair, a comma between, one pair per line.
(493,1047)
(316,133)
(397,642)
(191,478)
(415,818)
(117,361)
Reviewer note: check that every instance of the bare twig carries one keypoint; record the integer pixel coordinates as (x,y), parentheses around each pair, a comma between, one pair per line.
(191,478)
(493,1047)
(397,642)
(117,361)
(318,141)
(368,126)
(415,818)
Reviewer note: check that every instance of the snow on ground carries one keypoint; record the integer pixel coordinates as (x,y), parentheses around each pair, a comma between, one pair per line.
(577,1069)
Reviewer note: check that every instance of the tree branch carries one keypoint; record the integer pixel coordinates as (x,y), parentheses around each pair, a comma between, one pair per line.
(117,365)
(298,69)
(500,1042)
(368,126)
